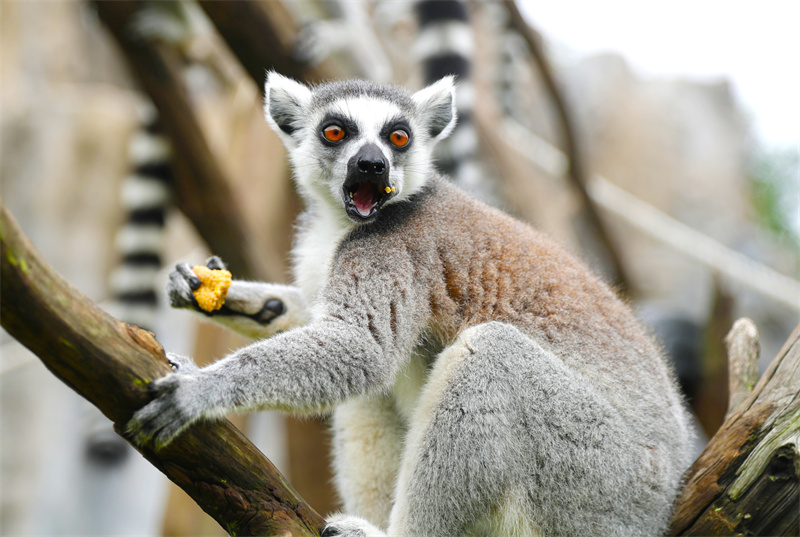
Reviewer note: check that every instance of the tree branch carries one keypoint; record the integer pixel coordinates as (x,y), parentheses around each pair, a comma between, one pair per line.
(202,191)
(747,480)
(742,345)
(577,173)
(110,364)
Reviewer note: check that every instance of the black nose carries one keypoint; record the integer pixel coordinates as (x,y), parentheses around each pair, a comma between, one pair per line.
(370,165)
(369,160)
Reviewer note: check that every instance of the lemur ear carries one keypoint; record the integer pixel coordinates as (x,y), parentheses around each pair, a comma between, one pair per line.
(437,107)
(284,103)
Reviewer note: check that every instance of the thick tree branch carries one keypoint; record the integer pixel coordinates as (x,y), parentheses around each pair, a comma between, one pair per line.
(747,480)
(110,363)
(577,172)
(202,191)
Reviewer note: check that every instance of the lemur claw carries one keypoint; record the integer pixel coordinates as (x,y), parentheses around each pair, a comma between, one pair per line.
(175,405)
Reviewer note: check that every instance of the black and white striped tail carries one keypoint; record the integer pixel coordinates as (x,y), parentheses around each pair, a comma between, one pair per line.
(445,46)
(146,196)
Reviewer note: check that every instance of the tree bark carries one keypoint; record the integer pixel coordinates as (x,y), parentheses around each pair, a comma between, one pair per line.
(110,363)
(747,480)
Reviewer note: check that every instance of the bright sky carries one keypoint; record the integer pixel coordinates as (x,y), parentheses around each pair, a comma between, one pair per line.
(754,43)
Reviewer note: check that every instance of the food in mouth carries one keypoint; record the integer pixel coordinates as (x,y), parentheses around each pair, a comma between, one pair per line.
(367,197)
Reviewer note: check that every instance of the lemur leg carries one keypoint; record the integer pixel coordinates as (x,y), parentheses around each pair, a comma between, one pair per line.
(254,309)
(503,431)
(367,445)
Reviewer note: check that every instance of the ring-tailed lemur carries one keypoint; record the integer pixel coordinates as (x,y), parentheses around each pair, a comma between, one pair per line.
(483,381)
(146,194)
(445,46)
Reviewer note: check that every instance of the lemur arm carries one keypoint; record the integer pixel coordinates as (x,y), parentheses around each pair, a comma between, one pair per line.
(363,327)
(254,309)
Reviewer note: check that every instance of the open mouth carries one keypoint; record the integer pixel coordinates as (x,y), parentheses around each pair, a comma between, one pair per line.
(364,199)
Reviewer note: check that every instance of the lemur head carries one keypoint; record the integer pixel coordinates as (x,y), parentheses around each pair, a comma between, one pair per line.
(359,145)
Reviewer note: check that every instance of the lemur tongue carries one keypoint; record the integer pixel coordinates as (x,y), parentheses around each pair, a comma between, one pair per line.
(365,198)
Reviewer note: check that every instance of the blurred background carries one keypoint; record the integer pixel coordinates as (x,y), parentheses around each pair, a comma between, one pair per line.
(658,140)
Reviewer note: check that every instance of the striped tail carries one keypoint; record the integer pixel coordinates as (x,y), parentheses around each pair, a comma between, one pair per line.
(146,194)
(445,46)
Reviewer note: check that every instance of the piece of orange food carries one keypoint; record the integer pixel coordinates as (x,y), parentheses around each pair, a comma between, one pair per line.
(214,287)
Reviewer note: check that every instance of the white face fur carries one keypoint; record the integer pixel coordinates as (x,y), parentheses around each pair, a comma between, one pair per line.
(356,146)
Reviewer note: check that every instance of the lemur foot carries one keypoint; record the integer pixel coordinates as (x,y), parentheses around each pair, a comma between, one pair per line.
(350,526)
(179,400)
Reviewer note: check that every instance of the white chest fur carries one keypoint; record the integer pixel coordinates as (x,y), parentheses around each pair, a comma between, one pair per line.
(313,253)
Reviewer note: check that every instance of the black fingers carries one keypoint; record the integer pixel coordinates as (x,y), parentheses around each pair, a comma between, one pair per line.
(215,263)
(190,277)
(179,292)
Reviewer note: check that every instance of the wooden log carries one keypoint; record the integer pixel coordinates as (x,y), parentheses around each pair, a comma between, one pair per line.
(747,480)
(110,363)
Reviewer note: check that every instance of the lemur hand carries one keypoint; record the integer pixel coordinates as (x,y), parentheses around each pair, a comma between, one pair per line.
(179,401)
(182,281)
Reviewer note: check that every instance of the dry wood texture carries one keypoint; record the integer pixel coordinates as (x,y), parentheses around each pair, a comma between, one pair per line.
(747,480)
(110,363)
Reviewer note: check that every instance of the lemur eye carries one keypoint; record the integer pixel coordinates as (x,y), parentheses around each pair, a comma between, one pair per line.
(399,138)
(333,133)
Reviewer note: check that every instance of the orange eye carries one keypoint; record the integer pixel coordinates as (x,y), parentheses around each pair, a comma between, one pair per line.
(333,133)
(399,138)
